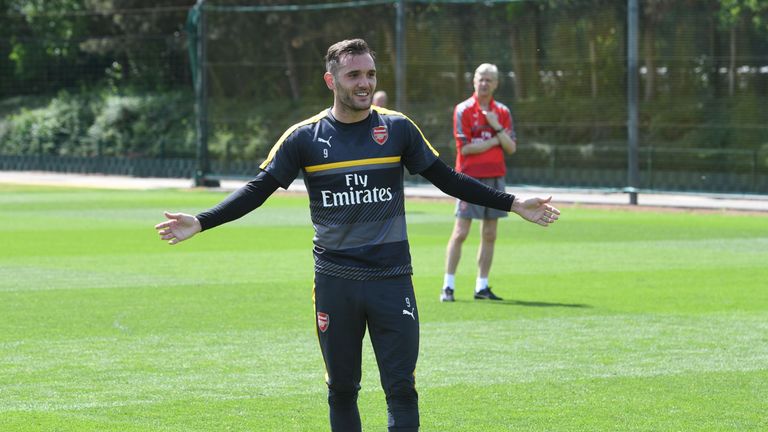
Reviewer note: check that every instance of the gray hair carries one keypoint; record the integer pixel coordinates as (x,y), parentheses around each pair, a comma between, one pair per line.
(487,68)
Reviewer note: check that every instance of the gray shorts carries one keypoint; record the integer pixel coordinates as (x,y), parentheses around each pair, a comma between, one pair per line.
(466,210)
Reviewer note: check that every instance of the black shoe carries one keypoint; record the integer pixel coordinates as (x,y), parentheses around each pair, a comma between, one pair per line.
(446,295)
(486,294)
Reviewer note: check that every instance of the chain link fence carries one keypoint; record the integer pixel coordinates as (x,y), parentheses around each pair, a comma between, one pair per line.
(113,90)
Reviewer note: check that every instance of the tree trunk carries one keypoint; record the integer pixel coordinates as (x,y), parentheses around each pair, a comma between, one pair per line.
(592,65)
(732,63)
(537,55)
(715,53)
(517,64)
(649,52)
(291,71)
(464,51)
(389,47)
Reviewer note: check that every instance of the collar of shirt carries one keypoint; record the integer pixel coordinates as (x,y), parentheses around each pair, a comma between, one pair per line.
(491,103)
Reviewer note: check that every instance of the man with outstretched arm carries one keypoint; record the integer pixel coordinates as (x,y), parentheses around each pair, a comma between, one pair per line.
(352,158)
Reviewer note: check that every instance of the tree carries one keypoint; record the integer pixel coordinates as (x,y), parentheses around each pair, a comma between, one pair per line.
(43,41)
(732,15)
(653,13)
(524,22)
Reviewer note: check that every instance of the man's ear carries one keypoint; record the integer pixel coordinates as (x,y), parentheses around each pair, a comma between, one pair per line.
(328,78)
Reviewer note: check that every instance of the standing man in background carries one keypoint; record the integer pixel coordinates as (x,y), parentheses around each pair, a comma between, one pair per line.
(483,131)
(380,99)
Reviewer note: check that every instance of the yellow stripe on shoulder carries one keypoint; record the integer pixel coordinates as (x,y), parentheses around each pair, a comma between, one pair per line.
(352,163)
(314,119)
(386,111)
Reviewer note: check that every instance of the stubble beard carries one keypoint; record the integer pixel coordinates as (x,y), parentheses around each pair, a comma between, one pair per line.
(348,103)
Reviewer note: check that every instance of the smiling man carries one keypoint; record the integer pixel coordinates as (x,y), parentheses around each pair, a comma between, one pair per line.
(352,157)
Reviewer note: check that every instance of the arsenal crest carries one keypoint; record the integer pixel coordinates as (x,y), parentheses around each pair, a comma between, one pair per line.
(323,320)
(380,134)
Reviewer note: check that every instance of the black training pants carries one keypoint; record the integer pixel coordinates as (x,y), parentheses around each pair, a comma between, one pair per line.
(388,308)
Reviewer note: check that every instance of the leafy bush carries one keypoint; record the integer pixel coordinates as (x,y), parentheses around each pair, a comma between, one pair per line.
(143,125)
(53,129)
(247,131)
(250,143)
(103,123)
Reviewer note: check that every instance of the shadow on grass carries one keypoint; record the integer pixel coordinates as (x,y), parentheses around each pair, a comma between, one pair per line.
(526,303)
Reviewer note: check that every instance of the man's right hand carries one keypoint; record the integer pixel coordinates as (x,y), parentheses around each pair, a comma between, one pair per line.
(178,227)
(479,145)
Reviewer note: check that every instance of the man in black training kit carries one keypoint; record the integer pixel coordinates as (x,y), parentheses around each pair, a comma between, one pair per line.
(352,158)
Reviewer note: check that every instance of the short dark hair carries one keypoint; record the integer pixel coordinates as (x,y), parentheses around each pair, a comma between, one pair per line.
(344,48)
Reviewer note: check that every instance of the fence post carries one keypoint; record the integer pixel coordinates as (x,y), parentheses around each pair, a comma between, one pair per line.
(650,167)
(754,172)
(553,162)
(632,99)
(201,99)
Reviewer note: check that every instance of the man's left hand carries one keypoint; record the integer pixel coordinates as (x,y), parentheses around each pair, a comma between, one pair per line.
(536,210)
(493,119)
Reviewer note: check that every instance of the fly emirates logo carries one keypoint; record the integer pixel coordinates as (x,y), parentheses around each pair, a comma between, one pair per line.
(358,193)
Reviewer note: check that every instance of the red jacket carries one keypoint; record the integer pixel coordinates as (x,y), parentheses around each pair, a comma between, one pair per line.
(469,125)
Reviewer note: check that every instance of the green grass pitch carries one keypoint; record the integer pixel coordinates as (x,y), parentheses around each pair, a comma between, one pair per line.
(615,320)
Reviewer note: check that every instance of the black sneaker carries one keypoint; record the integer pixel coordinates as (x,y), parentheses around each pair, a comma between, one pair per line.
(486,294)
(446,295)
